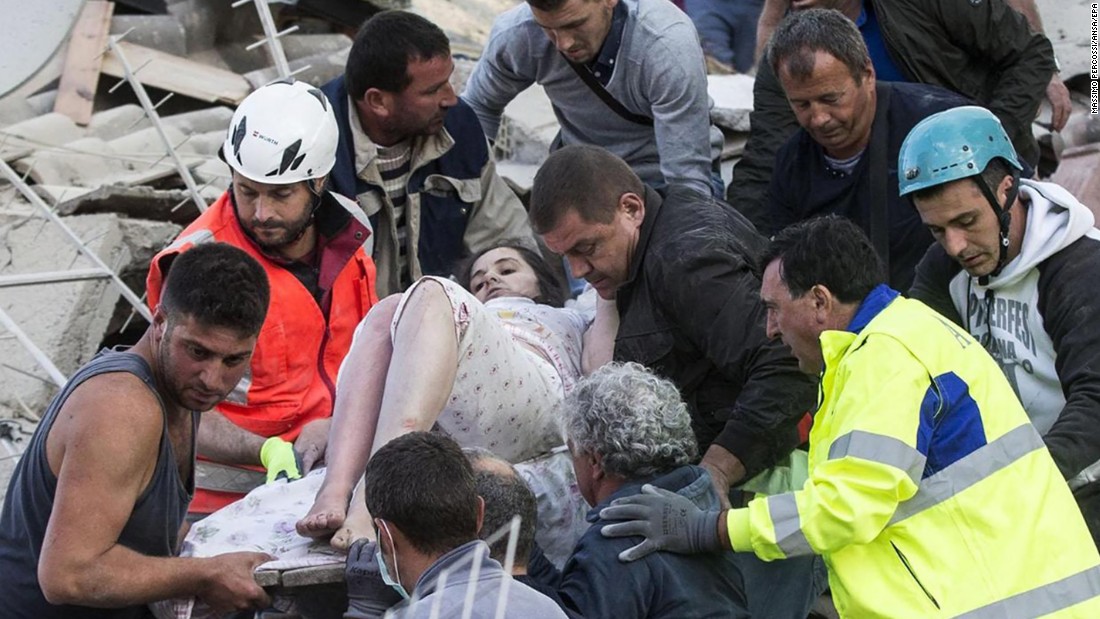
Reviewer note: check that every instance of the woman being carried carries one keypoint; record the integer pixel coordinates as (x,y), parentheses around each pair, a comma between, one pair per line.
(486,366)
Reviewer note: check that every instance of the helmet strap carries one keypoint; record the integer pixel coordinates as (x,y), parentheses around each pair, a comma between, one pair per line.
(1004,219)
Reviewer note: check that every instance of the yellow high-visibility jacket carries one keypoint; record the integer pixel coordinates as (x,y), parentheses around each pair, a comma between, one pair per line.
(930,494)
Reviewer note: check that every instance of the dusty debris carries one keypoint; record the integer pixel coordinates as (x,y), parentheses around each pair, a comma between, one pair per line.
(67,321)
(180,75)
(527,128)
(1066,25)
(1077,173)
(732,96)
(140,202)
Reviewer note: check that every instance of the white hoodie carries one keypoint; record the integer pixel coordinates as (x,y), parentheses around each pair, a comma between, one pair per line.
(1009,306)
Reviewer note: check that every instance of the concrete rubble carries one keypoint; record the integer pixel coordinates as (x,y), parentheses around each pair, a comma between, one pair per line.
(69,321)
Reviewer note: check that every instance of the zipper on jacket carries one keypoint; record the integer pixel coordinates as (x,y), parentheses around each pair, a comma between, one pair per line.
(909,569)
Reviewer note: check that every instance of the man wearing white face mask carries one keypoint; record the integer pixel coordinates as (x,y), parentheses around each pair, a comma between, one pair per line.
(421,492)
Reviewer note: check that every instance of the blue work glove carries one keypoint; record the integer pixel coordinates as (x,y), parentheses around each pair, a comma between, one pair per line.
(665,519)
(280,460)
(369,597)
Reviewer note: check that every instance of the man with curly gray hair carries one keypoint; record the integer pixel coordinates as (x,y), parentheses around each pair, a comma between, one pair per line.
(627,427)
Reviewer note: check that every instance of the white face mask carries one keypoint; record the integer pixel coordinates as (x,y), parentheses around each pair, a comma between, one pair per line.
(395,584)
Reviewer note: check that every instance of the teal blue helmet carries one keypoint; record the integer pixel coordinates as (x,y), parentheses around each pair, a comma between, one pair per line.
(953,144)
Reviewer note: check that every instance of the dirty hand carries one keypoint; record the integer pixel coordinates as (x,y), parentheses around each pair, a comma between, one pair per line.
(279,458)
(311,443)
(369,597)
(1060,105)
(230,585)
(665,519)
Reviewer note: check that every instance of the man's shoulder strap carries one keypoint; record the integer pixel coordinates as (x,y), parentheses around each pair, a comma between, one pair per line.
(596,87)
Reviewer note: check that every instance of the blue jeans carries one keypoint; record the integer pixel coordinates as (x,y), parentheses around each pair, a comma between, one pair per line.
(784,589)
(727,29)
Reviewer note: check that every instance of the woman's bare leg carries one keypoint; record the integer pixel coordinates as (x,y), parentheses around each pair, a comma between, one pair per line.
(354,418)
(421,377)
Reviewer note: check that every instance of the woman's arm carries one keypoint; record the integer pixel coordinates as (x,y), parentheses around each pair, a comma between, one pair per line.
(599,339)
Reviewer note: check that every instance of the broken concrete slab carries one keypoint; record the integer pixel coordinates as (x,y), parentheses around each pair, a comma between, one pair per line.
(466,23)
(200,121)
(297,46)
(50,129)
(138,202)
(143,240)
(1082,128)
(732,95)
(200,20)
(57,194)
(133,159)
(317,69)
(209,142)
(178,74)
(117,121)
(1077,173)
(16,428)
(213,173)
(14,110)
(160,32)
(1065,23)
(527,128)
(66,321)
(520,175)
(43,101)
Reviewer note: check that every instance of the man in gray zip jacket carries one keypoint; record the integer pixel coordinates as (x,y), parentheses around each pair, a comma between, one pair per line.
(642,54)
(421,492)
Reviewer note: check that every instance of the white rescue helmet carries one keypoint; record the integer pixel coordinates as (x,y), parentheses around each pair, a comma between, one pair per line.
(282,133)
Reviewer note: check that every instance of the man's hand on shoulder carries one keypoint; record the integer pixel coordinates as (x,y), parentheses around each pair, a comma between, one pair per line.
(230,585)
(725,470)
(666,520)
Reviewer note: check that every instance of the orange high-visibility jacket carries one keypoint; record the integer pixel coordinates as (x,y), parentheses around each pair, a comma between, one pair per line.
(292,378)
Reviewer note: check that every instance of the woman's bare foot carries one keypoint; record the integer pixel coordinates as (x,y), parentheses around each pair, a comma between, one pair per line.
(357,522)
(327,514)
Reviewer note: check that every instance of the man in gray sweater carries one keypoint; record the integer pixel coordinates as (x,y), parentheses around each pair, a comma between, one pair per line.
(626,75)
(421,494)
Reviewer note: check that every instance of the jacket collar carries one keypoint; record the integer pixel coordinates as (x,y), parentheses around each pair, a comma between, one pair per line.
(458,562)
(605,60)
(421,148)
(688,481)
(875,301)
(653,201)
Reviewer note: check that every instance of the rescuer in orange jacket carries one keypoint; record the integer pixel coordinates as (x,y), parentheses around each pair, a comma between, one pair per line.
(281,147)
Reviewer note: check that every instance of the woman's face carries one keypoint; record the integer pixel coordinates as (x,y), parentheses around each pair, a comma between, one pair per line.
(502,272)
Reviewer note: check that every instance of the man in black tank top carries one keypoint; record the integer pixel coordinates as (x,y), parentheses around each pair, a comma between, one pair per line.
(91,520)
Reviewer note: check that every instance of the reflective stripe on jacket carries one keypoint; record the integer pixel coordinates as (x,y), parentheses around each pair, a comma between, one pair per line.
(930,493)
(292,377)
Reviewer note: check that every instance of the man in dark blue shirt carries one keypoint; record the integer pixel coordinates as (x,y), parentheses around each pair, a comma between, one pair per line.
(843,157)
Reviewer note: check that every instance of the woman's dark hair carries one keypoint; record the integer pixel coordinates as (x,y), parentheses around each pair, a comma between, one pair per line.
(551,288)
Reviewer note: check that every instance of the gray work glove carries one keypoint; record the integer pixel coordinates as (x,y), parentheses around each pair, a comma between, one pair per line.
(665,519)
(368,596)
